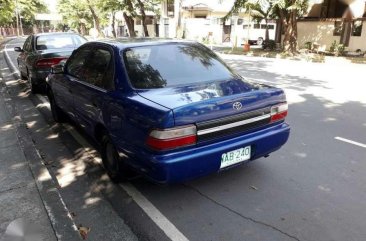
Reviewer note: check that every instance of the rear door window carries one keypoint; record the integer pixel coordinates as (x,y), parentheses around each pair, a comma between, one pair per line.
(27,44)
(99,69)
(159,66)
(76,63)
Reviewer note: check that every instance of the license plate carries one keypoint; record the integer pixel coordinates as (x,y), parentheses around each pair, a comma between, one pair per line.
(236,156)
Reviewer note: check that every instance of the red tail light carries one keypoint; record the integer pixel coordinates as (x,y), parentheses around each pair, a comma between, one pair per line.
(49,62)
(279,112)
(172,138)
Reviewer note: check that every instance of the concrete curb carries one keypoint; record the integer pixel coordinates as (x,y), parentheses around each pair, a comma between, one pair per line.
(59,216)
(14,70)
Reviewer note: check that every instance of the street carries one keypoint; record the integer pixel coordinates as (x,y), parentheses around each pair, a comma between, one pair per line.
(313,189)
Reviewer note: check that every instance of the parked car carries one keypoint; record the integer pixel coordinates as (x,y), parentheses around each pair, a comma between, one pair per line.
(171,110)
(41,51)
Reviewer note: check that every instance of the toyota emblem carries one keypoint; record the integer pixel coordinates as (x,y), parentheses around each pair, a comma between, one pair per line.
(237,105)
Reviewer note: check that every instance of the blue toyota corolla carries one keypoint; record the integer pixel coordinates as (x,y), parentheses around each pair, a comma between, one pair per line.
(171,110)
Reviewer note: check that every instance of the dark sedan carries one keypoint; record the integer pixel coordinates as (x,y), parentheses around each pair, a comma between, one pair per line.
(41,51)
(170,110)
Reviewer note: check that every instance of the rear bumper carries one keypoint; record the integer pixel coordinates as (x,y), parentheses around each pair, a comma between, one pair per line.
(202,160)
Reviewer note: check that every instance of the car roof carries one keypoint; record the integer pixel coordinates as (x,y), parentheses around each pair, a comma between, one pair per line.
(122,43)
(54,33)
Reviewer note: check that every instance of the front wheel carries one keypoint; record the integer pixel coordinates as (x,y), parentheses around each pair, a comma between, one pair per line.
(116,169)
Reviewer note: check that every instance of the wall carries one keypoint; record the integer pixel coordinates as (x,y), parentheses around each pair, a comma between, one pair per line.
(150,29)
(320,32)
(197,29)
(358,42)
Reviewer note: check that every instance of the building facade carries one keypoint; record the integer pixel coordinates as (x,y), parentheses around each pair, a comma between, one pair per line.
(342,21)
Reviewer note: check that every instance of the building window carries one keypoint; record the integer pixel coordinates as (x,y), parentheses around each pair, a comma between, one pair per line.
(138,22)
(200,16)
(357,28)
(170,8)
(338,27)
(246,26)
(256,26)
(240,21)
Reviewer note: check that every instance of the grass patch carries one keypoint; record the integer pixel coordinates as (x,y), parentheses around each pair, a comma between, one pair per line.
(310,57)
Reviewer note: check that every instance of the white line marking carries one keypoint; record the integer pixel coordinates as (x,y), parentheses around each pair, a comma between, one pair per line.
(158,218)
(350,141)
(169,229)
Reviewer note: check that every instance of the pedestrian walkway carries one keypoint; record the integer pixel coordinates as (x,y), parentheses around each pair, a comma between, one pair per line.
(19,196)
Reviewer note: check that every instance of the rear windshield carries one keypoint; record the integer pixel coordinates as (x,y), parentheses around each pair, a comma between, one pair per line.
(160,66)
(58,41)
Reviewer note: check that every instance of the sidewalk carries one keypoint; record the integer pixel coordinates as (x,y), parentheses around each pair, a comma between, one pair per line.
(74,189)
(27,193)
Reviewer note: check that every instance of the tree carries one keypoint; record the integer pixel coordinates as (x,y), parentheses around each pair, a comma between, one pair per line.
(28,10)
(6,12)
(287,11)
(75,14)
(263,11)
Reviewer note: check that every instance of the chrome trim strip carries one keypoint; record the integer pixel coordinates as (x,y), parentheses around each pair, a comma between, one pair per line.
(231,125)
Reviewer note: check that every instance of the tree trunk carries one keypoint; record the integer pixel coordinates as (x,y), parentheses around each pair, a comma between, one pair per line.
(143,17)
(130,24)
(290,39)
(95,18)
(113,24)
(267,31)
(82,28)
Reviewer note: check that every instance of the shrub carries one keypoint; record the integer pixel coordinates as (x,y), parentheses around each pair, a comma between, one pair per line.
(337,49)
(269,44)
(309,45)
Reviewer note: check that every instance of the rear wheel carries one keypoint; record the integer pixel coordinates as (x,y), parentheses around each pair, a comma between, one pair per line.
(116,169)
(57,114)
(33,86)
(22,76)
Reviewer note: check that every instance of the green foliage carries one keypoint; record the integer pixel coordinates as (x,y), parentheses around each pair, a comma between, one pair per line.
(75,13)
(6,12)
(28,9)
(309,45)
(337,49)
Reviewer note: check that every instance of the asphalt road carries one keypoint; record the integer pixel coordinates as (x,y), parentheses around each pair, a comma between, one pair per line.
(313,189)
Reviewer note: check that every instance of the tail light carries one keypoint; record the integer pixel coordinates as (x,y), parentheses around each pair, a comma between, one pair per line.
(49,62)
(279,112)
(172,138)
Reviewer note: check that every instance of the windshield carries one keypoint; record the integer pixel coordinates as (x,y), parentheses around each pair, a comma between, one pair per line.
(165,65)
(59,41)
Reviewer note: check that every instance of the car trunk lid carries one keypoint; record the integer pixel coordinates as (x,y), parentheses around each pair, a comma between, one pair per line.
(214,100)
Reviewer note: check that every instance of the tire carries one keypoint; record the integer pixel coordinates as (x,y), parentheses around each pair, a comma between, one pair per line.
(260,41)
(22,76)
(58,115)
(33,87)
(116,169)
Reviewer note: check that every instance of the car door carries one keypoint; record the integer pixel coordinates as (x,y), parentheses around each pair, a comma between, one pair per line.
(91,91)
(63,86)
(27,48)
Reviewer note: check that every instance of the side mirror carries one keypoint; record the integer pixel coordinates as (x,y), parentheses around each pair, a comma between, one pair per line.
(18,49)
(58,68)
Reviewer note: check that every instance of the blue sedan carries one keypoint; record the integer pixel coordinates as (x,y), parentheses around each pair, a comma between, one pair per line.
(170,110)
